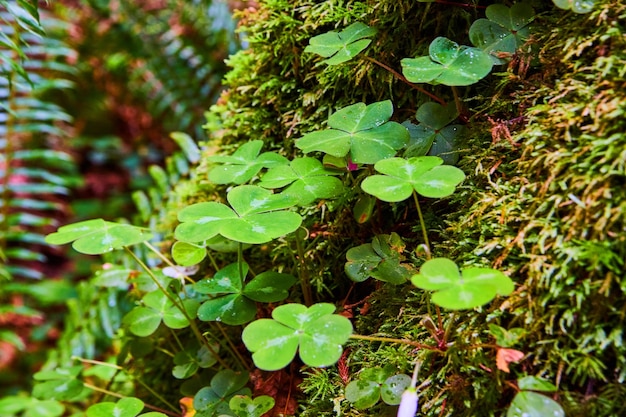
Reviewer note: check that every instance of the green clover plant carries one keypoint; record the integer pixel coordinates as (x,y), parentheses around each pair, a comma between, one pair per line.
(504,30)
(342,46)
(158,307)
(402,177)
(434,135)
(234,301)
(244,406)
(256,216)
(307,178)
(577,6)
(214,399)
(125,407)
(448,63)
(315,331)
(14,405)
(381,259)
(531,404)
(188,361)
(459,290)
(363,132)
(59,384)
(243,164)
(188,254)
(97,236)
(376,383)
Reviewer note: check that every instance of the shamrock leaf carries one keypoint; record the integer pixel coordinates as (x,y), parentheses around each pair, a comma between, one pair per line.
(60,384)
(191,359)
(456,290)
(531,404)
(381,259)
(374,383)
(234,303)
(448,63)
(244,406)
(144,320)
(364,132)
(244,164)
(214,399)
(424,174)
(342,46)
(317,332)
(97,236)
(434,135)
(127,407)
(308,178)
(504,30)
(577,6)
(256,216)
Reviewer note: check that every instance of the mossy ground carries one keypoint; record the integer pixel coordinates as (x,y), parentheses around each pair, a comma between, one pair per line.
(545,198)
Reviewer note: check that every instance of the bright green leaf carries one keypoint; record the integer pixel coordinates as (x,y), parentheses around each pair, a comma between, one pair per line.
(577,6)
(535,384)
(188,146)
(187,254)
(125,407)
(342,46)
(244,164)
(244,406)
(391,390)
(363,394)
(531,404)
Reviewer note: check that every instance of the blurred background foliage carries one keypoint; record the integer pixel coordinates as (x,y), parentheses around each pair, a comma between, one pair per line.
(89,91)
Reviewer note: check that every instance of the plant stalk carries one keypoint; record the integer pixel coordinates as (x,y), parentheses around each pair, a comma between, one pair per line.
(422,223)
(305,283)
(116,395)
(394,340)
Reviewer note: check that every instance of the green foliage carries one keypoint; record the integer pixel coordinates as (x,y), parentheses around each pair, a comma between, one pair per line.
(504,30)
(233,302)
(469,288)
(363,132)
(127,407)
(339,47)
(256,216)
(97,236)
(244,406)
(158,307)
(382,259)
(448,63)
(577,6)
(317,333)
(531,404)
(374,383)
(402,177)
(214,400)
(11,406)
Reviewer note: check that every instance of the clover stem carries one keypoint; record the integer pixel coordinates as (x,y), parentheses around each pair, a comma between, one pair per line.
(156,394)
(240,261)
(422,224)
(404,80)
(394,340)
(179,306)
(232,347)
(120,396)
(165,259)
(305,284)
(457,100)
(212,259)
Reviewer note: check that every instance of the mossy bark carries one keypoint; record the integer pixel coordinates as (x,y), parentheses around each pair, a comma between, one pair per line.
(545,200)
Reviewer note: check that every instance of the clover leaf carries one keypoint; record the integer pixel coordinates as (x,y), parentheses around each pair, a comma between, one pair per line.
(504,30)
(532,404)
(374,383)
(434,135)
(472,287)
(244,164)
(244,406)
(213,400)
(382,259)
(234,303)
(424,174)
(145,320)
(188,254)
(256,217)
(127,407)
(577,6)
(341,47)
(364,132)
(448,63)
(97,236)
(192,358)
(317,333)
(59,384)
(308,178)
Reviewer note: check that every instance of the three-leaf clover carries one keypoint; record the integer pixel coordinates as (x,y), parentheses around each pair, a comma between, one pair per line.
(434,135)
(144,320)
(374,383)
(125,407)
(341,47)
(577,6)
(244,406)
(504,30)
(256,216)
(234,302)
(423,174)
(458,290)
(316,331)
(531,404)
(382,259)
(308,178)
(448,63)
(243,164)
(97,236)
(59,384)
(364,132)
(213,400)
(192,358)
